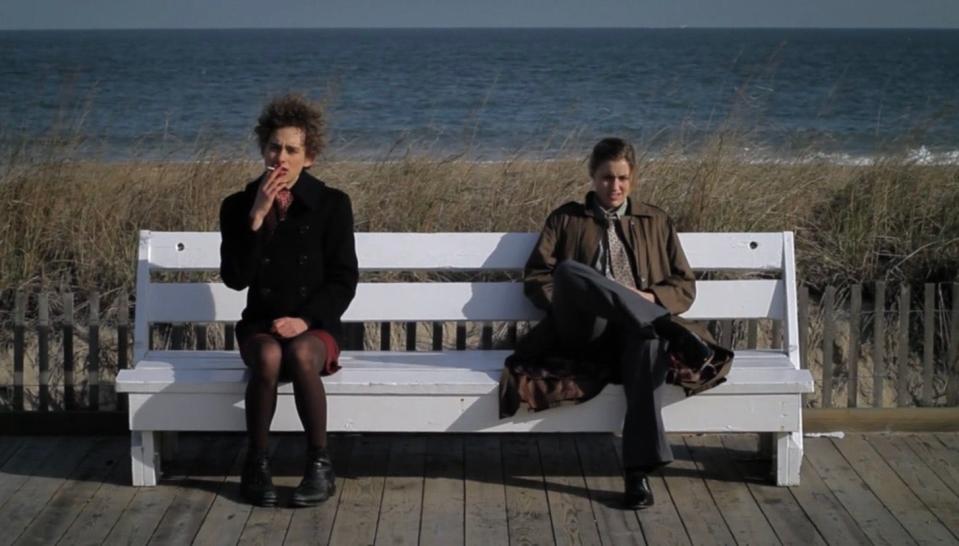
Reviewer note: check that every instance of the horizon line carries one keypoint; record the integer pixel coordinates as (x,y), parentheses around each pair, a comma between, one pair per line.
(664,27)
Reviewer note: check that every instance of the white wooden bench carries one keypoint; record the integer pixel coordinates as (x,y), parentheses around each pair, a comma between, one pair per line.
(454,391)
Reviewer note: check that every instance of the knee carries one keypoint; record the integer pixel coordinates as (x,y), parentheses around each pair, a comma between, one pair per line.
(306,354)
(565,272)
(263,356)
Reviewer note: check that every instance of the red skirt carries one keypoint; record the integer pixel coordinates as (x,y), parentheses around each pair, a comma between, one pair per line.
(332,363)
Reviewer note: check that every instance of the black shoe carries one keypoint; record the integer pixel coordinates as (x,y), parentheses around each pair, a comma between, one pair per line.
(256,483)
(318,480)
(638,494)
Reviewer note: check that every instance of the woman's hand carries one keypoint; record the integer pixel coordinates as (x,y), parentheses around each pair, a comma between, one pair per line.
(288,327)
(269,186)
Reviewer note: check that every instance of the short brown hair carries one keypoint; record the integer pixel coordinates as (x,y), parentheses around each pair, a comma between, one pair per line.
(293,111)
(612,149)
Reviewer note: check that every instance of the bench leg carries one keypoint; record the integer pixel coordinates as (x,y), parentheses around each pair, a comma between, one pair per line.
(144,463)
(788,457)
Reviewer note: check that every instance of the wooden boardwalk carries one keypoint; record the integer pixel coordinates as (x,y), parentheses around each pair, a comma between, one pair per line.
(454,489)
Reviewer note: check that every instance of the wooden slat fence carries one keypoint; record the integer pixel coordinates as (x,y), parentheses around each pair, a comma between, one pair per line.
(60,351)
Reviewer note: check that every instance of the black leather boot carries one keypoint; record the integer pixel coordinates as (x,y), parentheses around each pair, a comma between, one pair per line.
(318,480)
(638,493)
(256,483)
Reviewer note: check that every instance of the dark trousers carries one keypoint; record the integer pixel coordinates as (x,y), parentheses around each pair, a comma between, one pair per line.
(586,304)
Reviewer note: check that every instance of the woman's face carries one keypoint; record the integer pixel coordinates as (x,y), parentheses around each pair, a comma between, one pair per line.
(612,182)
(286,150)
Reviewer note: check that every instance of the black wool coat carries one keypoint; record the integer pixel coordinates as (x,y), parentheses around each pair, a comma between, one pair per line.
(304,268)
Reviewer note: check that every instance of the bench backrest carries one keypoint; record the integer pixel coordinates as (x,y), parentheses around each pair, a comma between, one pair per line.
(761,298)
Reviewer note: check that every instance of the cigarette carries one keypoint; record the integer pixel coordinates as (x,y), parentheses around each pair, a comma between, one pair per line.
(271,168)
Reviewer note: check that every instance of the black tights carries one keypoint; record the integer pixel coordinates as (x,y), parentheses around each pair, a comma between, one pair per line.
(301,359)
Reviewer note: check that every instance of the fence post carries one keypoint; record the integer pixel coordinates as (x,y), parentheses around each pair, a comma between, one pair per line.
(828,325)
(855,314)
(410,336)
(902,357)
(43,349)
(69,377)
(437,336)
(952,366)
(803,327)
(879,345)
(93,367)
(487,338)
(123,335)
(19,325)
(928,341)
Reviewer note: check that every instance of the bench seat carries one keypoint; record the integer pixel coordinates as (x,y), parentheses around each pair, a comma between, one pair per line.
(446,392)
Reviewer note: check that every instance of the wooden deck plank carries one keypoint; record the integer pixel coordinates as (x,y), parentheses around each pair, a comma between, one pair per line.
(570,511)
(226,518)
(938,455)
(185,514)
(143,513)
(22,465)
(443,516)
(45,480)
(660,522)
(268,525)
(58,515)
(696,507)
(527,506)
(101,513)
(872,516)
(950,440)
(603,476)
(782,510)
(736,504)
(314,525)
(359,506)
(403,493)
(922,524)
(922,480)
(824,510)
(485,493)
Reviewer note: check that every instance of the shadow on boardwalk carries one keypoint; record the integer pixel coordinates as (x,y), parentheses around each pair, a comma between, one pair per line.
(486,489)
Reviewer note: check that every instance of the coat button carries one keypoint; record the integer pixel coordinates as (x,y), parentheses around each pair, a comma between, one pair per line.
(265,291)
(304,229)
(303,291)
(266,261)
(303,259)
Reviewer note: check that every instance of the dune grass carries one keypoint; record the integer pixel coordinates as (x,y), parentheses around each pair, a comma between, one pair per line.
(72,223)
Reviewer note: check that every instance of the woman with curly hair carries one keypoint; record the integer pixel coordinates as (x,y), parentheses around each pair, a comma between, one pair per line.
(288,238)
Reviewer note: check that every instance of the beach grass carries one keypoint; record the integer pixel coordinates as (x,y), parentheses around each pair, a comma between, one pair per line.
(73,223)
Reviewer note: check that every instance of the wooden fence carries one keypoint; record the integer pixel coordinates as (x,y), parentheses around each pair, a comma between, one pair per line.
(63,355)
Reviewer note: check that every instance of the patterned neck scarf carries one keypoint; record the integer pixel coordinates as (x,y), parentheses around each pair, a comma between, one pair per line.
(618,257)
(281,204)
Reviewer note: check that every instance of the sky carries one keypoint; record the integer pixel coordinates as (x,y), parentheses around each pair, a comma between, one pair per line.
(104,14)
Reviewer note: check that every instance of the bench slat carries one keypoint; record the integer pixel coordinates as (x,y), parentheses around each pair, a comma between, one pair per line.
(472,251)
(401,360)
(451,381)
(398,302)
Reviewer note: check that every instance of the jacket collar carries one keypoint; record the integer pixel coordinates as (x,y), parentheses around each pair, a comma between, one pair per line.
(638,209)
(308,190)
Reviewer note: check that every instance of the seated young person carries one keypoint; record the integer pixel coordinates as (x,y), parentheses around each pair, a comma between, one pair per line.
(611,274)
(288,238)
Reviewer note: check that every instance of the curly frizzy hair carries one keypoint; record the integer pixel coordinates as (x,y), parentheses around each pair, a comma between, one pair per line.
(293,111)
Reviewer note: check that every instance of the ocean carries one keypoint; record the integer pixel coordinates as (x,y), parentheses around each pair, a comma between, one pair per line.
(846,95)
